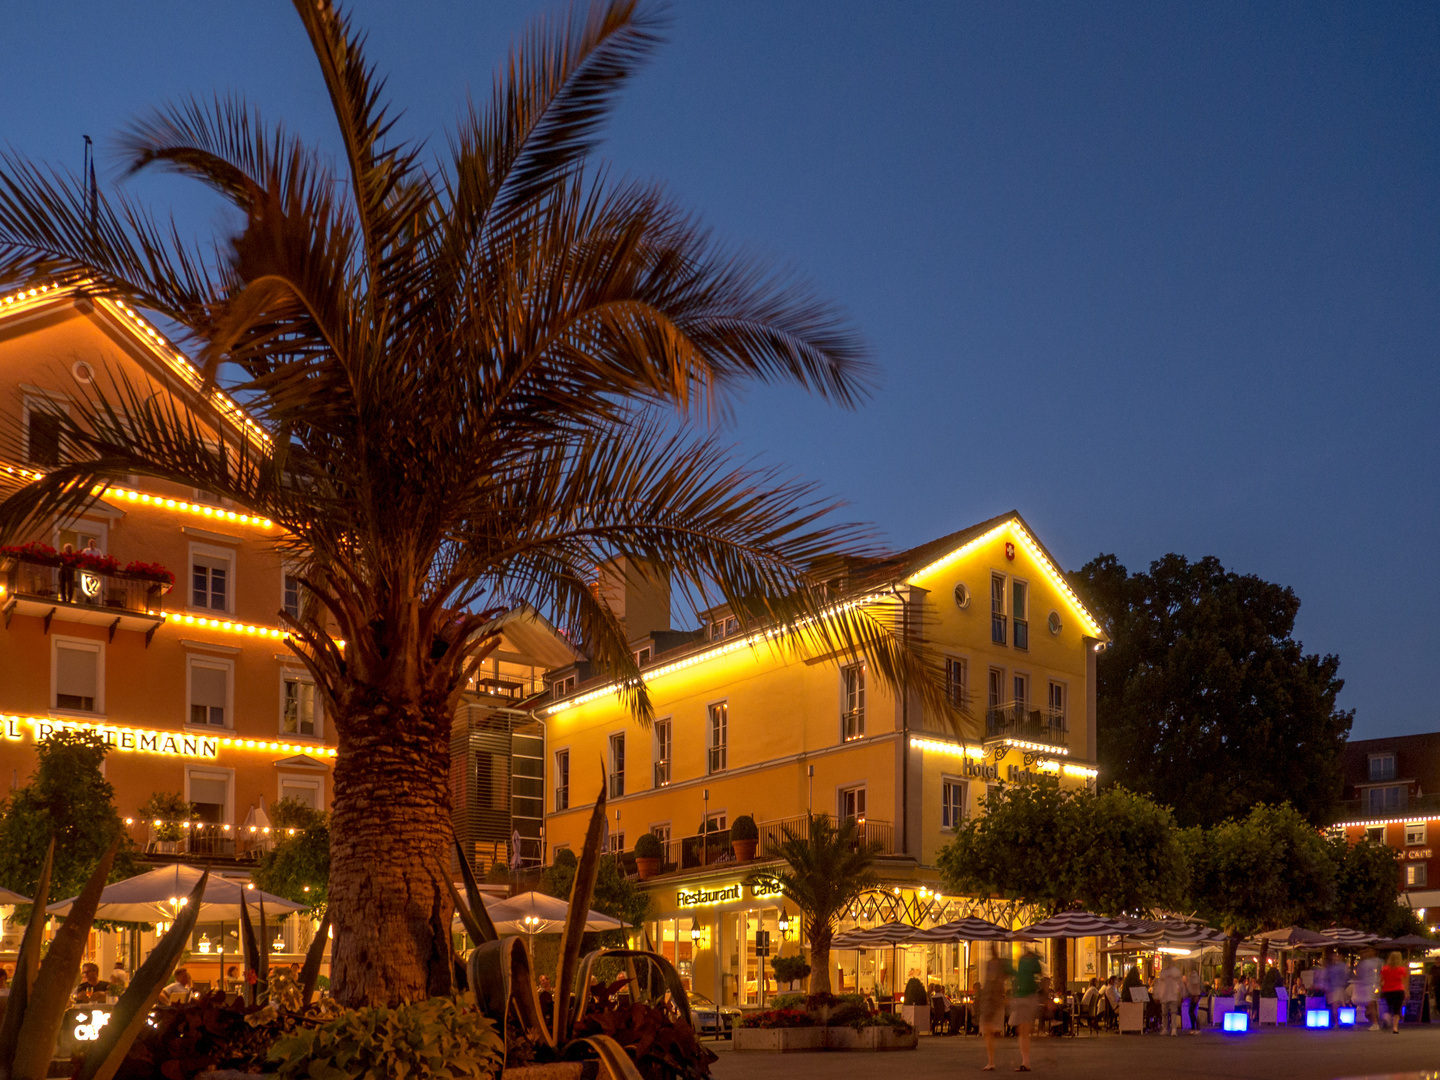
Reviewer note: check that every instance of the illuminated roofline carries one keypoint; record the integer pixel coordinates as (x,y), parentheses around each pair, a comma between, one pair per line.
(269,745)
(1418,819)
(958,749)
(1057,579)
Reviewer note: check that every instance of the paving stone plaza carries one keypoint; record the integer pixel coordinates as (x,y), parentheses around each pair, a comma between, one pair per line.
(1288,1054)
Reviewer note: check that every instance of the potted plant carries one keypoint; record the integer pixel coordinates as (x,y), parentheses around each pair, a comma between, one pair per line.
(916,1007)
(648,854)
(791,969)
(743,837)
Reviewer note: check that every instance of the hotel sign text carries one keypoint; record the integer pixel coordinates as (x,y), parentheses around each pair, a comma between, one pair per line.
(722,894)
(127,740)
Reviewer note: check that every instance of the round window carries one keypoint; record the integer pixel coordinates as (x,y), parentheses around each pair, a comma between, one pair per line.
(962,595)
(1054,622)
(83,372)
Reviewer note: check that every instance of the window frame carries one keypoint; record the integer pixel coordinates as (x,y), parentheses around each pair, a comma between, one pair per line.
(34,401)
(317,783)
(76,644)
(1024,703)
(290,674)
(665,760)
(710,745)
(1409,840)
(852,689)
(999,628)
(192,660)
(962,664)
(217,554)
(214,772)
(285,576)
(949,823)
(1416,875)
(1063,712)
(614,740)
(1020,620)
(556,757)
(852,790)
(1378,759)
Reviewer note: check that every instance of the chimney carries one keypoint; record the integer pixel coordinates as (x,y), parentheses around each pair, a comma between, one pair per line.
(638,595)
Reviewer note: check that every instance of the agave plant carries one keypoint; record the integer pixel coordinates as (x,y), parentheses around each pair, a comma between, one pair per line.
(500,976)
(41,991)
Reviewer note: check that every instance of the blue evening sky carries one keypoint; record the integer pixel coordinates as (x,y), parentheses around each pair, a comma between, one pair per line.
(1163,277)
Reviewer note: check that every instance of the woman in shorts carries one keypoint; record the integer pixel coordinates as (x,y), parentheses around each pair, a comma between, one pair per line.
(1393,978)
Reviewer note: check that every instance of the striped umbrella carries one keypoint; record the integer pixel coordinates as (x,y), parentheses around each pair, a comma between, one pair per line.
(891,933)
(1294,937)
(1071,924)
(967,929)
(1343,935)
(1175,932)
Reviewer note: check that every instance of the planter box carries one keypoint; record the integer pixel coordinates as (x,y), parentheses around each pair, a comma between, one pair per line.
(779,1040)
(847,1038)
(917,1016)
(889,1038)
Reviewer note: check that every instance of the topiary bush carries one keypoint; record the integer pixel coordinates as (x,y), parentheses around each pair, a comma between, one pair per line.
(648,846)
(791,969)
(915,993)
(437,1039)
(743,828)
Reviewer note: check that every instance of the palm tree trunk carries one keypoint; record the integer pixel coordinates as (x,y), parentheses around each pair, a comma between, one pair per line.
(390,854)
(820,959)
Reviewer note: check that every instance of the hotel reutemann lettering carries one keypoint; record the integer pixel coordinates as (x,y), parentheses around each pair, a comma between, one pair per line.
(721,894)
(129,740)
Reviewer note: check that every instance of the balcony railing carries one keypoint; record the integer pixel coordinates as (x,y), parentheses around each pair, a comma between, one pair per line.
(34,586)
(1018,721)
(712,848)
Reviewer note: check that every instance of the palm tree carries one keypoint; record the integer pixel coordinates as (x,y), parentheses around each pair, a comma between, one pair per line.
(826,869)
(479,378)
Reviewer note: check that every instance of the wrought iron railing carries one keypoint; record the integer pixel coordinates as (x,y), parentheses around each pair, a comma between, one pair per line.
(712,848)
(1017,721)
(116,591)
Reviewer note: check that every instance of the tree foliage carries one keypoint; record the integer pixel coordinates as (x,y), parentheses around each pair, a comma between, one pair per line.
(1206,702)
(70,800)
(1366,877)
(615,894)
(1062,849)
(297,867)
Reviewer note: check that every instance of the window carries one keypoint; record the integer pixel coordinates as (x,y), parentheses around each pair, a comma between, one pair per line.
(853,726)
(642,657)
(1382,766)
(995,692)
(661,833)
(302,789)
(717,736)
(852,804)
(1381,799)
(617,765)
(209,791)
(43,442)
(957,681)
(1414,833)
(1376,833)
(662,752)
(210,582)
(79,674)
(210,692)
(617,842)
(560,687)
(1021,683)
(997,609)
(724,627)
(290,596)
(952,803)
(562,779)
(1414,874)
(1020,609)
(298,717)
(1057,704)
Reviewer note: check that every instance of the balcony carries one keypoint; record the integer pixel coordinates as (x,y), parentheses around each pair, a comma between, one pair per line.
(1017,721)
(90,592)
(713,848)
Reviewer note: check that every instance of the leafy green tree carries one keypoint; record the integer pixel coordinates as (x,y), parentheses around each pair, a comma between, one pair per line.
(297,866)
(826,869)
(1267,870)
(479,379)
(1206,701)
(615,894)
(1058,849)
(171,809)
(1367,883)
(70,800)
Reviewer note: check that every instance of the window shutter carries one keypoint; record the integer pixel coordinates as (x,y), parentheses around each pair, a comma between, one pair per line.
(75,671)
(207,686)
(209,790)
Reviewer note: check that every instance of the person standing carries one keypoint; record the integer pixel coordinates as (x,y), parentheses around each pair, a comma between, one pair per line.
(67,573)
(1393,979)
(1367,985)
(1193,987)
(990,1005)
(1025,1002)
(1167,992)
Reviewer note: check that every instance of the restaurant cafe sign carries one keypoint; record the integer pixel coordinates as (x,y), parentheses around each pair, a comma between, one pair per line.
(126,740)
(705,896)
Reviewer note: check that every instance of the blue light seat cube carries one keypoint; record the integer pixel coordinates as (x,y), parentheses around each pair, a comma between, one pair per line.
(1347,1016)
(1317,1018)
(1237,1021)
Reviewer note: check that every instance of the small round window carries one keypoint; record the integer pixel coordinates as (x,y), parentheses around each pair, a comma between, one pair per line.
(1054,622)
(83,372)
(962,595)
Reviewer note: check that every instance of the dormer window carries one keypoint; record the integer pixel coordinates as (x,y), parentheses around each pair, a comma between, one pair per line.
(1382,766)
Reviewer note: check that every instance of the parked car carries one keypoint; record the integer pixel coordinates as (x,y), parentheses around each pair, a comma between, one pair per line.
(712,1019)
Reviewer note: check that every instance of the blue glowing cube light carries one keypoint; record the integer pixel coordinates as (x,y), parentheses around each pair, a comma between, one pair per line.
(1347,1016)
(1237,1021)
(1317,1018)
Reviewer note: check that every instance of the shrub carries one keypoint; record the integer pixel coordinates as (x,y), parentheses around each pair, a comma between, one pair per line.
(420,1040)
(565,857)
(743,828)
(647,846)
(849,1014)
(777,1018)
(915,993)
(788,1001)
(791,968)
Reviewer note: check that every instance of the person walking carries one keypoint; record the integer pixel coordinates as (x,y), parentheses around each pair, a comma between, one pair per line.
(1167,992)
(1025,1002)
(1393,978)
(1367,985)
(990,1005)
(1193,987)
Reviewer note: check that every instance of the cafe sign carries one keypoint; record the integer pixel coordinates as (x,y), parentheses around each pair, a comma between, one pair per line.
(721,894)
(126,740)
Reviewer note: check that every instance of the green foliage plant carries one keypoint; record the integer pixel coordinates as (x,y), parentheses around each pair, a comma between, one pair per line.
(170,808)
(915,993)
(825,868)
(784,1017)
(791,969)
(648,846)
(297,866)
(68,800)
(744,828)
(435,1039)
(1366,897)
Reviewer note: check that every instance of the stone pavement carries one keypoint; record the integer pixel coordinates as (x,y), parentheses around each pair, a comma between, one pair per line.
(1286,1054)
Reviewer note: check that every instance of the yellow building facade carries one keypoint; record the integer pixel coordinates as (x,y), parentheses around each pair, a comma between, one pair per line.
(744,727)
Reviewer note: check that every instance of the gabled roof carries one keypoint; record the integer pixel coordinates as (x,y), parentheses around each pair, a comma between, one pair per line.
(164,357)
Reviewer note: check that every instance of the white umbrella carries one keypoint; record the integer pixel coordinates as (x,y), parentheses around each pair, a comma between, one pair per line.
(153,897)
(967,929)
(8,897)
(891,933)
(548,915)
(257,824)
